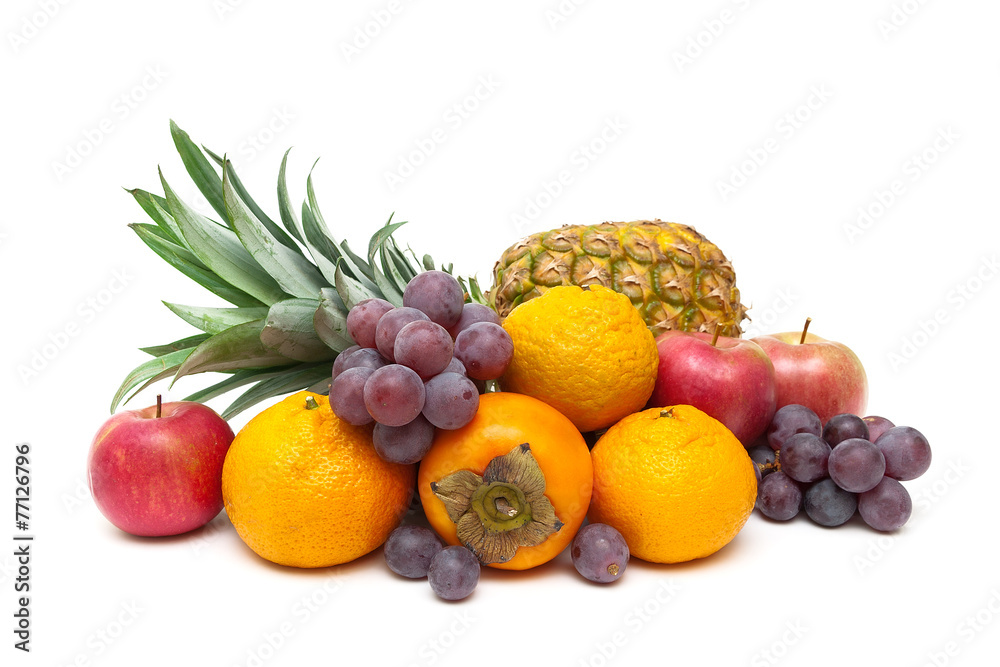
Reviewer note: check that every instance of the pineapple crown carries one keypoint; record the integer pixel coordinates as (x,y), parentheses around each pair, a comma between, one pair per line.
(290,285)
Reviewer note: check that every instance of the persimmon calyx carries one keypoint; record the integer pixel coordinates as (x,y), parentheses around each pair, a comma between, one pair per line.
(502,510)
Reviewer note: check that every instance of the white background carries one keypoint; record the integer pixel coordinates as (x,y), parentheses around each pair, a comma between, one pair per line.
(251,78)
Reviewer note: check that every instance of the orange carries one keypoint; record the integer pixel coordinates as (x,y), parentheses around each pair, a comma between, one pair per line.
(305,489)
(676,483)
(504,421)
(585,352)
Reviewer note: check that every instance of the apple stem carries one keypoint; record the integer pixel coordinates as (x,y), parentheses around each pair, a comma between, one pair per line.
(715,335)
(804,330)
(159,405)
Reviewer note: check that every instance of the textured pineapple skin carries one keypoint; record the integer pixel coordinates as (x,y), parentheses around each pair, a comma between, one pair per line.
(673,275)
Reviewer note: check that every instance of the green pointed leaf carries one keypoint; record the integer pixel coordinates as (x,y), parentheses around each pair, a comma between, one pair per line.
(392,272)
(402,263)
(182,344)
(290,269)
(351,291)
(324,253)
(277,232)
(475,293)
(284,384)
(235,348)
(220,249)
(237,379)
(285,208)
(351,267)
(155,208)
(392,289)
(366,269)
(149,370)
(184,261)
(330,321)
(200,169)
(381,236)
(216,320)
(289,331)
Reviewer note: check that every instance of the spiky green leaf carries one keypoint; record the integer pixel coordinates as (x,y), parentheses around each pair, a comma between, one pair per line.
(216,320)
(229,171)
(324,253)
(156,208)
(184,261)
(289,331)
(276,386)
(182,344)
(220,249)
(149,371)
(237,379)
(290,269)
(350,290)
(200,169)
(235,348)
(330,321)
(285,208)
(351,266)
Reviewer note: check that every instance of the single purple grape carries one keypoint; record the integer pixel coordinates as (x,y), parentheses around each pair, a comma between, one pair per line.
(804,457)
(789,420)
(856,465)
(338,363)
(843,426)
(485,350)
(390,324)
(907,452)
(453,573)
(363,318)
(472,313)
(829,505)
(394,395)
(410,549)
(877,426)
(404,444)
(425,347)
(347,396)
(599,553)
(438,295)
(887,506)
(779,497)
(365,357)
(450,400)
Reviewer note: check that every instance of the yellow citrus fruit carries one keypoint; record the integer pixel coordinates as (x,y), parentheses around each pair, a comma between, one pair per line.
(676,483)
(585,352)
(306,489)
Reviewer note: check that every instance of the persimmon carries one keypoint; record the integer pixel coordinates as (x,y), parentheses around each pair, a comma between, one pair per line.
(513,485)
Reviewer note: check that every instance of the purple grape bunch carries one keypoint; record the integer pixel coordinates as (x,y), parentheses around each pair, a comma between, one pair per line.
(850,465)
(417,367)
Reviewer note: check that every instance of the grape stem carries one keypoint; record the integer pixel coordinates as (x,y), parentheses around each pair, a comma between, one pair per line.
(804,330)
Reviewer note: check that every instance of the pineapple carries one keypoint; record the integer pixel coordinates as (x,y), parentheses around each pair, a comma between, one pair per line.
(674,276)
(290,285)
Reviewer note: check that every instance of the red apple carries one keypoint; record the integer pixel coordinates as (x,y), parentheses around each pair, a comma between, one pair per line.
(158,471)
(820,374)
(730,379)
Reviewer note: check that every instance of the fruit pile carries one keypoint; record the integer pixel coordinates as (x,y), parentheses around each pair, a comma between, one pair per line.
(849,464)
(413,368)
(412,383)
